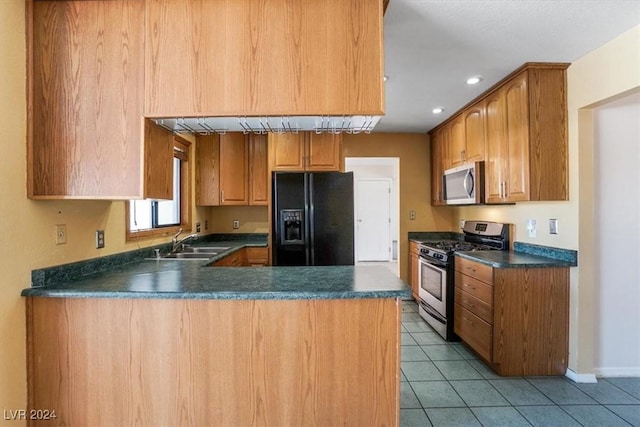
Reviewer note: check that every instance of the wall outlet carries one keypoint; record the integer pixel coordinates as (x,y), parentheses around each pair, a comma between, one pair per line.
(412,215)
(553,226)
(61,234)
(206,224)
(236,224)
(197,227)
(531,226)
(462,221)
(99,239)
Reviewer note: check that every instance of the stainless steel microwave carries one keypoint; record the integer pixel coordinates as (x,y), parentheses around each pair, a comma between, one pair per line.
(464,185)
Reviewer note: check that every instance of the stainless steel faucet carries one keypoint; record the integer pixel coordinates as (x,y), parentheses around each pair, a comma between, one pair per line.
(179,243)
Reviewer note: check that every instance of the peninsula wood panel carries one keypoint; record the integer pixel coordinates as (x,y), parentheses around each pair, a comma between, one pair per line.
(278,57)
(85,88)
(105,362)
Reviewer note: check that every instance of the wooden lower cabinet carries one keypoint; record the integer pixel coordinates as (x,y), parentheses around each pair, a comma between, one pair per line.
(254,257)
(175,362)
(414,269)
(516,319)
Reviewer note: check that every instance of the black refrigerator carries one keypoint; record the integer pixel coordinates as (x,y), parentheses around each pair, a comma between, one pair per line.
(312,220)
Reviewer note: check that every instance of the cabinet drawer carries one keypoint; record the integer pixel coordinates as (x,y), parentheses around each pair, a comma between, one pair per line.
(474,305)
(475,288)
(257,256)
(236,259)
(474,331)
(475,269)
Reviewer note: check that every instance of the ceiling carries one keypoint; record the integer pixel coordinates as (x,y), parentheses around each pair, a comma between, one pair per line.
(433,46)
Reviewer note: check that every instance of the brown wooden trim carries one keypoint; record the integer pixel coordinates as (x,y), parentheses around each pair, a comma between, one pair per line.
(29,83)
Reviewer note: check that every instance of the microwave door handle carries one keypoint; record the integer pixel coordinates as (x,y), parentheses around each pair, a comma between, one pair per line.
(468,183)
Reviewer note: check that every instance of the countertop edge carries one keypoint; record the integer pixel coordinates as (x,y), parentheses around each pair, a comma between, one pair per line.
(528,261)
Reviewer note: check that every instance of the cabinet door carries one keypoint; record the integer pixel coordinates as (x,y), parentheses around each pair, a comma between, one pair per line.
(86,88)
(208,170)
(234,163)
(323,152)
(456,150)
(286,151)
(258,173)
(517,132)
(158,161)
(497,156)
(474,120)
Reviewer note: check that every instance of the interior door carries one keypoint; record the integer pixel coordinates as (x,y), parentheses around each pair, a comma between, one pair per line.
(373,220)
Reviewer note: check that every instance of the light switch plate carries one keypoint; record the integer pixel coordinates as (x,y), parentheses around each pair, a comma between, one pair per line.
(553,226)
(61,234)
(412,214)
(531,226)
(99,239)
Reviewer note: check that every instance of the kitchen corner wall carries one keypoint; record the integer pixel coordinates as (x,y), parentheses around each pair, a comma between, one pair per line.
(415,182)
(253,219)
(27,226)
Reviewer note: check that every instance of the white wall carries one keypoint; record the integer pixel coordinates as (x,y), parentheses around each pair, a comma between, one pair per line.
(617,225)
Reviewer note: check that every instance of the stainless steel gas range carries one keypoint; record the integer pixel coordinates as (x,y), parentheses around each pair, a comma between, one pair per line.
(436,270)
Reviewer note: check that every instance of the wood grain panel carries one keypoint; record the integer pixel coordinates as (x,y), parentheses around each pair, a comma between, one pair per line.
(517,113)
(208,170)
(258,170)
(257,256)
(531,320)
(286,151)
(255,58)
(474,128)
(105,362)
(474,287)
(324,152)
(234,169)
(158,162)
(473,330)
(549,165)
(86,98)
(497,153)
(414,269)
(474,269)
(456,142)
(474,305)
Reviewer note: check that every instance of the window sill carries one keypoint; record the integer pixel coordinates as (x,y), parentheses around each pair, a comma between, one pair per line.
(133,236)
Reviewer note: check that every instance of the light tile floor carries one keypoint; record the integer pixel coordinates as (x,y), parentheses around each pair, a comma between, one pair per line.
(444,384)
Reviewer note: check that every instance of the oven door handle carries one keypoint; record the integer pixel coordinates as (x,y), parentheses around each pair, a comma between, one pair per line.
(431,264)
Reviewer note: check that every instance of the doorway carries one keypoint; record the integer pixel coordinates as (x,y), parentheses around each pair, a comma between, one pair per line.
(375,170)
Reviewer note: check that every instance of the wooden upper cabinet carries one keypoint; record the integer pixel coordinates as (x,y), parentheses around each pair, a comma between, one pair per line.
(234,169)
(231,170)
(258,170)
(158,162)
(527,137)
(85,99)
(305,151)
(324,152)
(519,128)
(456,141)
(287,151)
(255,58)
(474,122)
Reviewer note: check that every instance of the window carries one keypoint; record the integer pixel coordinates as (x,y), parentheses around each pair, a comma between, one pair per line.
(146,218)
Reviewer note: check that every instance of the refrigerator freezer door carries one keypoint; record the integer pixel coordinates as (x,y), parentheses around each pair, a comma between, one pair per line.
(331,218)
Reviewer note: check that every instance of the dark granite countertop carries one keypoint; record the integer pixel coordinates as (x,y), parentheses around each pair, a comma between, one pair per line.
(146,277)
(509,259)
(426,236)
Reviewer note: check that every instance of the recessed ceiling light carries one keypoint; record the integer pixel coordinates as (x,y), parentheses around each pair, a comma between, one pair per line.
(437,110)
(474,80)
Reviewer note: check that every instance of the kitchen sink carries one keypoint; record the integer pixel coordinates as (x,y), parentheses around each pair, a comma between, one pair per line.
(190,255)
(194,252)
(203,250)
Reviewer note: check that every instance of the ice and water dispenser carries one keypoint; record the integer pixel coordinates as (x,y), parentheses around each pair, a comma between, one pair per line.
(292,226)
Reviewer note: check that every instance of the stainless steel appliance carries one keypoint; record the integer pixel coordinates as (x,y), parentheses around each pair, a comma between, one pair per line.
(312,220)
(464,185)
(436,274)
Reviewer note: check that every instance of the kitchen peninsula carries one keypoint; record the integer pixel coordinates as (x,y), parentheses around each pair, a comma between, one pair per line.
(180,343)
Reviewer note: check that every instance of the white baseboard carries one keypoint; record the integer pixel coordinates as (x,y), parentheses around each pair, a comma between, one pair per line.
(581,378)
(617,372)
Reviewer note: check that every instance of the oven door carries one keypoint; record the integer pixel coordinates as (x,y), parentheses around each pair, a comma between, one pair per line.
(433,286)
